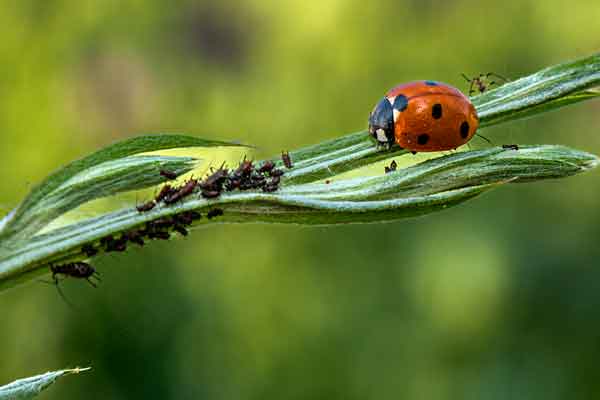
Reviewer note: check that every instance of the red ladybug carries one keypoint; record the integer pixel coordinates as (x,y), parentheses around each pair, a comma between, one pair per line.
(424,116)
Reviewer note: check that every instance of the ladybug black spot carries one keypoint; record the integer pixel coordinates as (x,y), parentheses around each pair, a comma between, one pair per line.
(431,83)
(423,138)
(400,103)
(436,111)
(464,129)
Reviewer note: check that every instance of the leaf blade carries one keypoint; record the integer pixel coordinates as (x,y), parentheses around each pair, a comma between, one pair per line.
(28,388)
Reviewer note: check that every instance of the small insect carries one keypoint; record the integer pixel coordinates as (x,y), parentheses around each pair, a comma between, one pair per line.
(215,212)
(277,172)
(186,218)
(78,269)
(181,229)
(163,223)
(510,146)
(117,244)
(135,237)
(89,250)
(233,183)
(216,179)
(245,169)
(423,116)
(210,194)
(162,235)
(194,215)
(182,192)
(287,161)
(106,240)
(482,82)
(270,187)
(168,174)
(146,206)
(266,167)
(392,167)
(166,191)
(327,181)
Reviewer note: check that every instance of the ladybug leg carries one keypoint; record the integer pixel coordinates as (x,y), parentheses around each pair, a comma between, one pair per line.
(384,146)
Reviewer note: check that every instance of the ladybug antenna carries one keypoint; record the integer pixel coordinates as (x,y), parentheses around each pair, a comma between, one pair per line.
(486,139)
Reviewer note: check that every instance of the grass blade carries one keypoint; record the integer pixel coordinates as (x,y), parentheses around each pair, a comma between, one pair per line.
(34,213)
(28,388)
(421,189)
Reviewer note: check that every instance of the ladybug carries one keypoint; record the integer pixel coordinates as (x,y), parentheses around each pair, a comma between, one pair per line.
(424,116)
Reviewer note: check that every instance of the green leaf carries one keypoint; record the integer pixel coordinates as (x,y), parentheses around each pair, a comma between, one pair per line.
(420,189)
(29,388)
(427,187)
(105,172)
(543,91)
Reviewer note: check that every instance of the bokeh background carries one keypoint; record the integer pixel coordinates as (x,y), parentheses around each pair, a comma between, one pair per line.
(497,298)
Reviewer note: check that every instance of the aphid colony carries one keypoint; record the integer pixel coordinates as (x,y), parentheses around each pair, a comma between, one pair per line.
(245,177)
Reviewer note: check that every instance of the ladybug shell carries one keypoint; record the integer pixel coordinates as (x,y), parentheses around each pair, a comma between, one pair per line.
(431,116)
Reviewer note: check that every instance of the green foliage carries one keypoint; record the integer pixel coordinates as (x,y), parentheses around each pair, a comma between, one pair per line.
(424,188)
(28,388)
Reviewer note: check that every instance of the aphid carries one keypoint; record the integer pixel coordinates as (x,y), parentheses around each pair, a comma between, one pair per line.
(275,180)
(163,223)
(166,191)
(266,167)
(277,172)
(117,245)
(146,206)
(210,194)
(186,218)
(510,146)
(287,161)
(233,183)
(327,181)
(89,250)
(424,116)
(392,167)
(245,169)
(216,179)
(135,237)
(106,240)
(181,229)
(482,82)
(168,174)
(194,215)
(214,212)
(270,187)
(182,192)
(78,269)
(162,235)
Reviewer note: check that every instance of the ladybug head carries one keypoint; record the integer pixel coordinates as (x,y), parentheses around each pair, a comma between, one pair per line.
(381,122)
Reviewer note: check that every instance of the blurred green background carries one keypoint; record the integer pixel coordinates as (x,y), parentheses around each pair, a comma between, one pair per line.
(498,298)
